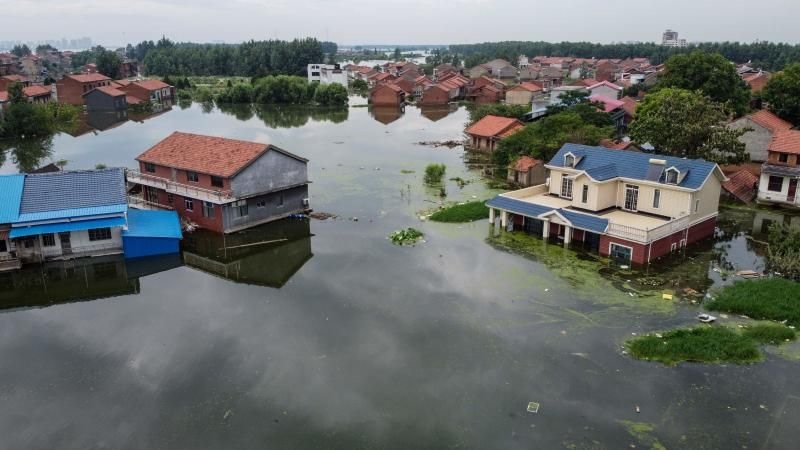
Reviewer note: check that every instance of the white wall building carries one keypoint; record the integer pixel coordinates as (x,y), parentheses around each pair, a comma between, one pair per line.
(327,74)
(670,39)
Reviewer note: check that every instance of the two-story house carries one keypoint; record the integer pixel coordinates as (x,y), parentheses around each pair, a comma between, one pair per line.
(220,184)
(634,207)
(779,175)
(70,88)
(155,91)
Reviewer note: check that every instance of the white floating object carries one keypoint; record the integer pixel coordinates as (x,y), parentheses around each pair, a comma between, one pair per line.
(533,407)
(706,318)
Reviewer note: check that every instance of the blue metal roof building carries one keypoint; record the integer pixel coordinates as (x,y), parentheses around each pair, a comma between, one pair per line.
(151,233)
(10,197)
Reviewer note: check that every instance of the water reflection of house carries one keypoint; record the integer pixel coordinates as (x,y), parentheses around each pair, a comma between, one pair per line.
(66,281)
(268,255)
(437,112)
(386,114)
(764,219)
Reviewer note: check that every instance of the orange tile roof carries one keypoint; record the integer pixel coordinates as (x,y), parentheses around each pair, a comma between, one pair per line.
(491,126)
(629,105)
(3,96)
(770,121)
(532,87)
(36,91)
(108,90)
(205,154)
(742,185)
(14,78)
(131,100)
(89,78)
(151,85)
(525,163)
(786,141)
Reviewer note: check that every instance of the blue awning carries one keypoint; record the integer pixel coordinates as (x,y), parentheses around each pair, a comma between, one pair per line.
(66,226)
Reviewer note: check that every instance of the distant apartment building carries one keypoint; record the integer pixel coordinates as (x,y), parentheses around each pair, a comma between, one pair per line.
(327,74)
(670,39)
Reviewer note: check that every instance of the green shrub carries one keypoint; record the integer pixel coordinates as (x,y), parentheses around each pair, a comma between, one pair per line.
(333,94)
(466,212)
(409,236)
(434,173)
(767,298)
(203,95)
(770,333)
(712,344)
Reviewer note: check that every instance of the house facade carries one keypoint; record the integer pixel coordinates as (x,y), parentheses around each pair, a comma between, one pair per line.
(763,125)
(781,172)
(387,95)
(526,172)
(633,207)
(155,91)
(523,94)
(70,88)
(105,98)
(327,74)
(220,184)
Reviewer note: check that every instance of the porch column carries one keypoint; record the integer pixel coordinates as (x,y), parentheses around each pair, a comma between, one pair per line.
(491,215)
(503,218)
(567,234)
(545,228)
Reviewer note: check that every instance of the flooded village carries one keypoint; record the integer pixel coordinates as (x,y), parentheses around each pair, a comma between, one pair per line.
(389,269)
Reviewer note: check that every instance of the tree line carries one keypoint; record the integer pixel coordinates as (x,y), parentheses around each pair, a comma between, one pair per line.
(767,55)
(251,58)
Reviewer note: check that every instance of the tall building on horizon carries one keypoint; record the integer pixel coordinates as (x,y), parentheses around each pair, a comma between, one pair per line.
(670,39)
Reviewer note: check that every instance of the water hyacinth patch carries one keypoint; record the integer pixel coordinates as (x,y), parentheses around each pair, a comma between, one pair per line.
(409,236)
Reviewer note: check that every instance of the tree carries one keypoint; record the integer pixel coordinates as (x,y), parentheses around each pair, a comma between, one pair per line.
(782,93)
(711,74)
(333,94)
(44,48)
(477,113)
(397,54)
(687,124)
(108,63)
(542,139)
(25,120)
(21,50)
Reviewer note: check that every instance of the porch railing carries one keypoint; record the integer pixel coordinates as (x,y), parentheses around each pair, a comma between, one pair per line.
(173,187)
(645,235)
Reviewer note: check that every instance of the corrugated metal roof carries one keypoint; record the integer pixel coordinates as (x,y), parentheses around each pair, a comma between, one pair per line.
(73,212)
(59,191)
(579,220)
(10,197)
(634,165)
(153,224)
(67,226)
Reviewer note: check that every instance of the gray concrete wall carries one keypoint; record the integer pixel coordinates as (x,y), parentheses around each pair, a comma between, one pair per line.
(757,141)
(272,171)
(97,101)
(266,208)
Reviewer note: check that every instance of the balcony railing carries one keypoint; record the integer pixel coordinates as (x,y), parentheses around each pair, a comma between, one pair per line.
(136,201)
(645,235)
(173,187)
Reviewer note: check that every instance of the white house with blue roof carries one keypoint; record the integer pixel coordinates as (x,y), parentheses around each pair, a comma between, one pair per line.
(63,215)
(632,206)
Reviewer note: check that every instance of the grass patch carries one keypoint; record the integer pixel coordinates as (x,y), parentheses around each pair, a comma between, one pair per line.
(406,171)
(409,236)
(770,298)
(434,173)
(703,344)
(770,333)
(465,212)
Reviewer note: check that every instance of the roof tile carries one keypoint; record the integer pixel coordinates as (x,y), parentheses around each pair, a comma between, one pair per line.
(491,126)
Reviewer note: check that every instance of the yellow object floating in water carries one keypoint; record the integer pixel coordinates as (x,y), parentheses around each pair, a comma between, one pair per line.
(666,296)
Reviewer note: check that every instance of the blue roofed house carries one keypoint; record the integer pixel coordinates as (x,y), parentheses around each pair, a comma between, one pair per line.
(10,196)
(634,207)
(70,214)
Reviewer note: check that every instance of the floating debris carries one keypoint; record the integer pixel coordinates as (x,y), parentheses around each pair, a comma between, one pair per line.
(409,236)
(322,216)
(748,274)
(449,144)
(706,318)
(533,407)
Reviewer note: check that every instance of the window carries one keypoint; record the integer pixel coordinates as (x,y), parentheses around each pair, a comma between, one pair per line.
(566,186)
(671,176)
(240,208)
(569,160)
(188,204)
(657,198)
(783,157)
(208,210)
(585,193)
(620,253)
(775,184)
(28,243)
(280,200)
(48,240)
(3,246)
(631,198)
(216,181)
(100,234)
(192,176)
(261,204)
(696,205)
(170,198)
(149,167)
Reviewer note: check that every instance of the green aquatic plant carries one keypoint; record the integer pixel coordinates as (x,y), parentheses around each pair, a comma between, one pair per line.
(770,333)
(767,298)
(434,173)
(409,236)
(703,344)
(464,212)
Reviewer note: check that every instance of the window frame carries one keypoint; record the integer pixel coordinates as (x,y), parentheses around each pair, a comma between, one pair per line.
(783,158)
(566,187)
(585,193)
(149,167)
(99,234)
(669,171)
(188,204)
(191,174)
(240,209)
(48,240)
(208,209)
(657,199)
(770,183)
(217,181)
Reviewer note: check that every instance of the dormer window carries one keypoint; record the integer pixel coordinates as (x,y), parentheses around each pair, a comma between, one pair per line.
(569,160)
(671,176)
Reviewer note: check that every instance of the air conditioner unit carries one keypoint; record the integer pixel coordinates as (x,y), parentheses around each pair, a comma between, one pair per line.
(306,201)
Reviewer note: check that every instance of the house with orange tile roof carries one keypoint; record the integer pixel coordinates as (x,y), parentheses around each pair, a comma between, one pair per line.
(484,134)
(70,88)
(763,125)
(629,105)
(527,171)
(781,172)
(487,93)
(387,94)
(38,93)
(224,185)
(8,80)
(155,91)
(523,93)
(756,81)
(741,186)
(436,94)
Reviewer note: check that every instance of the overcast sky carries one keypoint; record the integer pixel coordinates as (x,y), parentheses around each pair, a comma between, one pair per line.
(114,22)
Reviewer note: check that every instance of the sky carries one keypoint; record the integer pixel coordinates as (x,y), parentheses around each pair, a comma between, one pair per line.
(115,22)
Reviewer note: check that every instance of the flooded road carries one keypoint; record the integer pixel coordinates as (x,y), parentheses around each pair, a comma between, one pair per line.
(335,338)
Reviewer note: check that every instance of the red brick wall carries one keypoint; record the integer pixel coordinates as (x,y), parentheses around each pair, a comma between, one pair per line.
(702,230)
(196,215)
(69,91)
(662,246)
(639,255)
(435,97)
(384,97)
(204,180)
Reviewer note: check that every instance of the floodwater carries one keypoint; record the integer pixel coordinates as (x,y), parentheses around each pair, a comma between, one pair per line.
(332,337)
